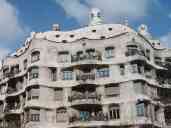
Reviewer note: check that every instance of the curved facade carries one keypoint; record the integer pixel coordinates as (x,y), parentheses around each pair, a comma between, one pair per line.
(103,75)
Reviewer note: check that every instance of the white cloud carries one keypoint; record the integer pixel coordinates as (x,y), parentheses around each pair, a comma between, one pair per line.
(113,10)
(3,52)
(10,28)
(166,40)
(74,9)
(169,15)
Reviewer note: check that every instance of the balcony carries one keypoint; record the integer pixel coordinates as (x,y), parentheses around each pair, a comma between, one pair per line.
(134,52)
(11,74)
(86,57)
(84,98)
(11,90)
(12,107)
(85,76)
(87,116)
(12,121)
(168,122)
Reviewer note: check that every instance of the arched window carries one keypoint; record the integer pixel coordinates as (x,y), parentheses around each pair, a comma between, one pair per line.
(35,56)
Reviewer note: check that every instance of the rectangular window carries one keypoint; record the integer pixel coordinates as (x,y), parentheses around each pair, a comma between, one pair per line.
(132,50)
(67,75)
(103,72)
(64,56)
(35,115)
(53,74)
(140,109)
(90,54)
(25,64)
(34,73)
(112,90)
(148,54)
(35,56)
(114,112)
(122,69)
(134,68)
(33,93)
(109,52)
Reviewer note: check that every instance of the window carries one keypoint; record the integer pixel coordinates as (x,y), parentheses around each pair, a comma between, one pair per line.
(132,50)
(58,94)
(63,56)
(25,64)
(134,68)
(122,69)
(35,56)
(156,112)
(141,109)
(158,60)
(53,74)
(90,53)
(103,72)
(33,93)
(61,115)
(35,115)
(148,54)
(67,75)
(109,52)
(112,90)
(110,29)
(94,30)
(34,73)
(114,112)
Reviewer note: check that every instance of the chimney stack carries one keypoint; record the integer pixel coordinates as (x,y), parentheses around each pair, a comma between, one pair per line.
(55,27)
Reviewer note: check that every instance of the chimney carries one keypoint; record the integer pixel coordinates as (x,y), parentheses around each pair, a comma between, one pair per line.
(55,27)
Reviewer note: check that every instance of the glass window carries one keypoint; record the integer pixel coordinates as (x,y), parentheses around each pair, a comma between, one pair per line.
(103,72)
(67,75)
(140,109)
(35,115)
(132,50)
(33,93)
(64,56)
(134,68)
(53,74)
(122,69)
(148,54)
(114,112)
(35,56)
(34,73)
(25,64)
(109,52)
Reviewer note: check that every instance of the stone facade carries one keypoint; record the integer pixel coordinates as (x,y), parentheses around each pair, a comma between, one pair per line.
(99,76)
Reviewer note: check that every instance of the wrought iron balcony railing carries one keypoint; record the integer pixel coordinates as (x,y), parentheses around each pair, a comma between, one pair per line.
(85,76)
(12,107)
(83,57)
(84,117)
(134,52)
(84,96)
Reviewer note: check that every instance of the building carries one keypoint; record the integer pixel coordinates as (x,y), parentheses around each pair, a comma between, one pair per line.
(99,76)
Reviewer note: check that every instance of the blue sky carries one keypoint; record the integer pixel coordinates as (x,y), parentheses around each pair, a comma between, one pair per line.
(19,17)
